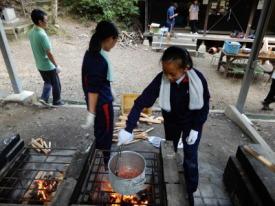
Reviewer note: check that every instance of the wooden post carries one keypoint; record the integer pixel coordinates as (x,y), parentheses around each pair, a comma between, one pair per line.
(251,17)
(54,11)
(146,16)
(206,18)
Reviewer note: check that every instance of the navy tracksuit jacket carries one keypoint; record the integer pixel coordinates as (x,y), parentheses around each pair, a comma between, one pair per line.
(179,120)
(94,80)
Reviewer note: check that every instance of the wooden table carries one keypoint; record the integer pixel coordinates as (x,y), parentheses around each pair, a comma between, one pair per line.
(230,58)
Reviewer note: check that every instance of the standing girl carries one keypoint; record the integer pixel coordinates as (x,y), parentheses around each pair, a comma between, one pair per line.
(184,98)
(194,16)
(97,75)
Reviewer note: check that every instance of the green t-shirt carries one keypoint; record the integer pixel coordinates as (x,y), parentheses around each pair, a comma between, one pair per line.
(40,44)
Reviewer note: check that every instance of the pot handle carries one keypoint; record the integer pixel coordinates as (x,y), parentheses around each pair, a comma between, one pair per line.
(139,181)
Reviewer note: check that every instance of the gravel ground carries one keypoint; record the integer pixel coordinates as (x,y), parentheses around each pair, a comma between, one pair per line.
(267,131)
(134,69)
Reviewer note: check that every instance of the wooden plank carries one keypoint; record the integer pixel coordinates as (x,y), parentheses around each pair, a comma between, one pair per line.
(175,195)
(170,169)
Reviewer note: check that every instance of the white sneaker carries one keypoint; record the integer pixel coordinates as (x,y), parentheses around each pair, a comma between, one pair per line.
(196,33)
(42,101)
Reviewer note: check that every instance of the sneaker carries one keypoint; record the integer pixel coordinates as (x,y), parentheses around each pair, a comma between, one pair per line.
(44,102)
(58,104)
(196,33)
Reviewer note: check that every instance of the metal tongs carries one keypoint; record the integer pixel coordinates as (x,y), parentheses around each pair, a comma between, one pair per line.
(117,159)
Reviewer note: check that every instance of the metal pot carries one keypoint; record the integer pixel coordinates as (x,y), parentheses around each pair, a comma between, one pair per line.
(129,176)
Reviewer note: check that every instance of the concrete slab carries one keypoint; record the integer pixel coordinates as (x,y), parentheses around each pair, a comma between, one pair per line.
(23,97)
(3,94)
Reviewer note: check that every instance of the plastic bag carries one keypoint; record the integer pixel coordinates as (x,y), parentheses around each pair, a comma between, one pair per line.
(264,49)
(155,141)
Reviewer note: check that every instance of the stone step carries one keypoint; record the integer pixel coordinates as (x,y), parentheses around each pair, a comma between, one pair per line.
(159,45)
(174,39)
(237,183)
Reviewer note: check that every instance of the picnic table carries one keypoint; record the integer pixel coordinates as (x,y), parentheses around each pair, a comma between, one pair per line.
(236,63)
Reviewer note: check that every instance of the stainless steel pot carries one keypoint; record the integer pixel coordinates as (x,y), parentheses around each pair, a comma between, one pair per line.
(129,176)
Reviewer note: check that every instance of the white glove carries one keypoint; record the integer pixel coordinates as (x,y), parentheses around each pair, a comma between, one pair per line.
(193,136)
(90,119)
(113,94)
(124,137)
(58,69)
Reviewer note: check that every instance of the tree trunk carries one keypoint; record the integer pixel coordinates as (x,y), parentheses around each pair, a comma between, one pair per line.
(54,11)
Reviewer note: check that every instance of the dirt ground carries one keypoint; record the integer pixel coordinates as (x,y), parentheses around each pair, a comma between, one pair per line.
(134,69)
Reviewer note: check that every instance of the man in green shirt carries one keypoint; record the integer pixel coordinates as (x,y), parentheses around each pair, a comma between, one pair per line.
(44,59)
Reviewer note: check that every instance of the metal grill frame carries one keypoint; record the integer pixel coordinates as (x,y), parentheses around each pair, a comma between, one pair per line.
(22,177)
(95,173)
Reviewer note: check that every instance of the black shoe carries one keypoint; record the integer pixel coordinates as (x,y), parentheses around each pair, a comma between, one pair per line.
(58,104)
(191,199)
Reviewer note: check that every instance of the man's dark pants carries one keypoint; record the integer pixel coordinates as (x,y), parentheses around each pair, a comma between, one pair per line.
(193,25)
(51,81)
(190,164)
(271,94)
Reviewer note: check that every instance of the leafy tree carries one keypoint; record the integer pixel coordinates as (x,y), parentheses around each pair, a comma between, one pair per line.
(116,10)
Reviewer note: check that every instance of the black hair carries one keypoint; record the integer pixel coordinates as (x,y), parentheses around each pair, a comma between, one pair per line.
(37,15)
(104,30)
(174,53)
(175,4)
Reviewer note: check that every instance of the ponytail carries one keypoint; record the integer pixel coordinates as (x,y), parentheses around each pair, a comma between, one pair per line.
(95,44)
(104,30)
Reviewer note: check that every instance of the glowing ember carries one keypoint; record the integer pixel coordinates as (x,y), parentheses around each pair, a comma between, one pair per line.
(45,188)
(141,199)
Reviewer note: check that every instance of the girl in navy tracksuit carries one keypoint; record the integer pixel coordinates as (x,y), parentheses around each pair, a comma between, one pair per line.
(184,99)
(96,77)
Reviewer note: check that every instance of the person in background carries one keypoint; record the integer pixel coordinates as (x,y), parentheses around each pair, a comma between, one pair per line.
(184,99)
(171,17)
(270,98)
(44,59)
(194,16)
(97,75)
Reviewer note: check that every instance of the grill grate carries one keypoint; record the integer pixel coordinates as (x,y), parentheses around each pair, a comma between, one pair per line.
(16,182)
(96,188)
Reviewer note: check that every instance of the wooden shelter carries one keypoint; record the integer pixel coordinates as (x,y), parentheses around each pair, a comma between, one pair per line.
(215,16)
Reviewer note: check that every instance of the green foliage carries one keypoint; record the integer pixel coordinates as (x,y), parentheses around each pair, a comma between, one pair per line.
(115,10)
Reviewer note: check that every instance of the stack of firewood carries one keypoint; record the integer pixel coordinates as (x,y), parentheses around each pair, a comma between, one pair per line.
(144,118)
(40,145)
(130,39)
(139,134)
